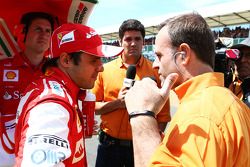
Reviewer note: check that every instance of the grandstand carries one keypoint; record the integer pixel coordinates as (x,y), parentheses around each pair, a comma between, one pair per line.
(228,14)
(230,23)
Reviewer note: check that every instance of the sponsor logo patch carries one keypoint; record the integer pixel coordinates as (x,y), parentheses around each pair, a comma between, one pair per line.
(51,157)
(56,88)
(10,75)
(49,139)
(7,96)
(91,34)
(80,13)
(65,37)
(12,95)
(79,152)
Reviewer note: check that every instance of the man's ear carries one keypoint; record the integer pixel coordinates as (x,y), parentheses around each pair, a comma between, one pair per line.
(185,53)
(65,60)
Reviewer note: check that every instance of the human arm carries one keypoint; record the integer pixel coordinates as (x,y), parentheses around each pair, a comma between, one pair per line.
(146,137)
(145,95)
(163,117)
(110,106)
(45,134)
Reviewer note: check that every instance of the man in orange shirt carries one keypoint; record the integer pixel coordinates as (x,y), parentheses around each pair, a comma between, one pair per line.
(211,126)
(241,84)
(115,148)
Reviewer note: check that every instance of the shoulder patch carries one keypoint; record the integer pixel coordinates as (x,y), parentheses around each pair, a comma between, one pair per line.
(56,88)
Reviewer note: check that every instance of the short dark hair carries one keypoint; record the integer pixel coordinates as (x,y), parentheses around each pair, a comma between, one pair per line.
(193,30)
(53,62)
(129,25)
(27,19)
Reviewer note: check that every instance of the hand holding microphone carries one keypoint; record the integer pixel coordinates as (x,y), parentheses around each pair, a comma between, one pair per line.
(128,81)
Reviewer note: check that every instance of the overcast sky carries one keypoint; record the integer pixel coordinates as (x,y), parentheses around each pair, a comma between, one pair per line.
(110,12)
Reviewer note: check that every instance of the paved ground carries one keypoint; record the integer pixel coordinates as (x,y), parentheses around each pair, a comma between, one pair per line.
(91,147)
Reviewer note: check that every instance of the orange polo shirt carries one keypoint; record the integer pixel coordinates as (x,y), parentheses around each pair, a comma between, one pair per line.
(210,128)
(107,87)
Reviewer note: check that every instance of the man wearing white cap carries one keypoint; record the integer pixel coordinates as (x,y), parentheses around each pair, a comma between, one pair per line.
(241,84)
(49,131)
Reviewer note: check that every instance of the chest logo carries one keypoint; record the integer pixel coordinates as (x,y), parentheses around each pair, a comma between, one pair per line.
(11,75)
(7,96)
(79,152)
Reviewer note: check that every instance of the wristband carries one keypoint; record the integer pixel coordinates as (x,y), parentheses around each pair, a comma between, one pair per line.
(145,112)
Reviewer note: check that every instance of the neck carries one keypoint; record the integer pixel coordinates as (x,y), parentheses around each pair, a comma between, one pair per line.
(201,70)
(128,60)
(34,58)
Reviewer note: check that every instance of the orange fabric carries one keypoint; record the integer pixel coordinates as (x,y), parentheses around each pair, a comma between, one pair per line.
(107,87)
(236,89)
(210,128)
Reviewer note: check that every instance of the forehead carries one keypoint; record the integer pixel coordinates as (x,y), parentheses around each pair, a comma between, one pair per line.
(87,56)
(162,40)
(132,33)
(41,22)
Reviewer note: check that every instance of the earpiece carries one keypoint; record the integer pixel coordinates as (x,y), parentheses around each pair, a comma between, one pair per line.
(183,55)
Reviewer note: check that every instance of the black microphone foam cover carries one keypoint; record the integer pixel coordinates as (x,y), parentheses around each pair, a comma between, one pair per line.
(130,76)
(131,71)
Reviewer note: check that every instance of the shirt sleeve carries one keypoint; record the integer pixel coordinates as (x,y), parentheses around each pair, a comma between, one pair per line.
(45,136)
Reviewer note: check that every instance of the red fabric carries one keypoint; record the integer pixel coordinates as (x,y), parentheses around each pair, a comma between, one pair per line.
(69,102)
(74,38)
(16,74)
(11,11)
(64,11)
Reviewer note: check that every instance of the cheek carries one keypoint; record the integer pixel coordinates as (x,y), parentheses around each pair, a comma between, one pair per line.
(126,44)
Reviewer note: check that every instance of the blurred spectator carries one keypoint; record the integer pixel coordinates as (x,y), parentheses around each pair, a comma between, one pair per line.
(18,72)
(241,84)
(238,32)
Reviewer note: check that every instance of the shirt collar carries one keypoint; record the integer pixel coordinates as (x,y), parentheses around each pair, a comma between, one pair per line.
(122,65)
(65,80)
(198,83)
(22,60)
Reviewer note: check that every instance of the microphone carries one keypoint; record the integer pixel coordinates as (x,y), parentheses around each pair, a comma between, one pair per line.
(130,76)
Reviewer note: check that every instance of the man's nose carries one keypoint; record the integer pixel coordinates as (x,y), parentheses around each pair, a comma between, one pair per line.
(133,42)
(100,68)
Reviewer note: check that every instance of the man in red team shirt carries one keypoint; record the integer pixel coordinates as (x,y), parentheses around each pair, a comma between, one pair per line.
(49,130)
(18,72)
